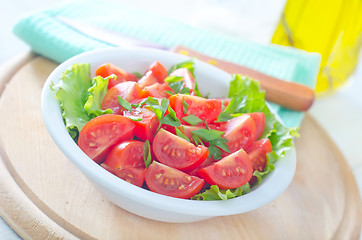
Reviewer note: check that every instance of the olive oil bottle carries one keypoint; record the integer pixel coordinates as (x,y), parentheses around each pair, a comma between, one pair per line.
(332,28)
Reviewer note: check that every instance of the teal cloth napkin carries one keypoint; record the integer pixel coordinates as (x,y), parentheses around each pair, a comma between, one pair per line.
(49,37)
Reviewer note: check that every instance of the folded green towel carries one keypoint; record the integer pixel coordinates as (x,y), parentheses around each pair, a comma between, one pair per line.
(51,38)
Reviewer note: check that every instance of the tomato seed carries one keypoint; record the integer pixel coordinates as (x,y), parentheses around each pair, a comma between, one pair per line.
(165,148)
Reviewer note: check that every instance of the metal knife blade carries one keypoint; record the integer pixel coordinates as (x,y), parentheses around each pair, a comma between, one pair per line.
(104,35)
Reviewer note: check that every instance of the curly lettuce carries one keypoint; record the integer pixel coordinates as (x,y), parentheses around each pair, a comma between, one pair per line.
(97,93)
(215,193)
(80,97)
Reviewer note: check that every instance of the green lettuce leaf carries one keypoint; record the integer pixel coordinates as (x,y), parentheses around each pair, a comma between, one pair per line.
(280,136)
(80,97)
(97,93)
(72,93)
(214,193)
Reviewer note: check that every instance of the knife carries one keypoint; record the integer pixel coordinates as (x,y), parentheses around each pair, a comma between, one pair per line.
(290,95)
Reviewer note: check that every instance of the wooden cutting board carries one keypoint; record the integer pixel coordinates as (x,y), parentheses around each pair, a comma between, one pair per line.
(44,196)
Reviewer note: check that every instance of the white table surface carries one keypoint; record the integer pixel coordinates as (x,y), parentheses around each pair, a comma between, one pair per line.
(340,114)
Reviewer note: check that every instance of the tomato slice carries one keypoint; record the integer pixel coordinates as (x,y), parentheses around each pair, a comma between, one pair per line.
(203,108)
(133,175)
(257,154)
(126,153)
(147,127)
(231,171)
(147,80)
(156,73)
(156,90)
(125,160)
(127,90)
(240,133)
(259,120)
(187,77)
(171,182)
(101,133)
(122,76)
(158,70)
(177,152)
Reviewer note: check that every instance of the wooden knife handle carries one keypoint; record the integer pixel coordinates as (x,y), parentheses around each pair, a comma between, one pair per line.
(290,95)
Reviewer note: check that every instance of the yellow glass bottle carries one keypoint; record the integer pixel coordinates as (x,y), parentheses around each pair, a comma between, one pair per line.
(332,28)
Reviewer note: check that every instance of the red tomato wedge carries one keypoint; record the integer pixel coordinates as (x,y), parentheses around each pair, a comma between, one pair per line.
(122,76)
(257,154)
(125,160)
(171,182)
(259,120)
(177,152)
(158,70)
(186,77)
(240,133)
(133,175)
(203,108)
(147,80)
(127,90)
(156,73)
(231,171)
(146,128)
(101,133)
(127,153)
(156,90)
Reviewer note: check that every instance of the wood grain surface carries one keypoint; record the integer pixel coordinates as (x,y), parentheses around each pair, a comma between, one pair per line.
(44,196)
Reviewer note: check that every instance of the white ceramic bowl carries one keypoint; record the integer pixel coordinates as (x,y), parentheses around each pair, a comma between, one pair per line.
(140,201)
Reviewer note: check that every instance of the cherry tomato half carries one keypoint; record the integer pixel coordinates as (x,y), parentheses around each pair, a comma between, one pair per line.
(171,182)
(127,153)
(158,70)
(257,154)
(240,133)
(101,133)
(231,171)
(203,108)
(127,90)
(156,73)
(177,152)
(186,77)
(156,90)
(145,129)
(259,120)
(122,76)
(133,175)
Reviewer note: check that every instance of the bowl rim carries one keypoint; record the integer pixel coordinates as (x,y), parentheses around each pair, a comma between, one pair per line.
(273,185)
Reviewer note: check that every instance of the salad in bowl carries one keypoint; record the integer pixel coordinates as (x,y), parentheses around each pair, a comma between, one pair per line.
(168,137)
